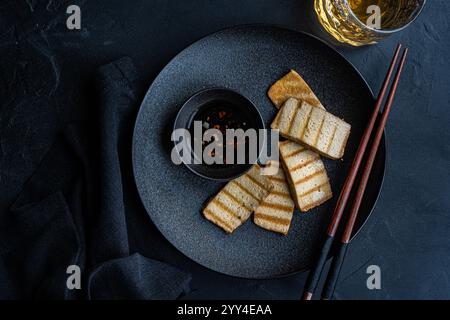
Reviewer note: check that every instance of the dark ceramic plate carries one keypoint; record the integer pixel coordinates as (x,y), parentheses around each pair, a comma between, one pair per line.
(247,59)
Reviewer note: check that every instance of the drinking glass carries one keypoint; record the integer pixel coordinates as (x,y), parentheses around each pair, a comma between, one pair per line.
(363,22)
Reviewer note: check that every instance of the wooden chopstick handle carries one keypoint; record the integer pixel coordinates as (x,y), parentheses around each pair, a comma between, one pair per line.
(316,272)
(348,184)
(314,275)
(334,272)
(372,154)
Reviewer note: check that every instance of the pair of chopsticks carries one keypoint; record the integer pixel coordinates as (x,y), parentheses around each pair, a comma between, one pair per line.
(333,274)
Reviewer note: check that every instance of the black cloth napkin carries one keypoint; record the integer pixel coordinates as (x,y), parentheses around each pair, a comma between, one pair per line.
(78,207)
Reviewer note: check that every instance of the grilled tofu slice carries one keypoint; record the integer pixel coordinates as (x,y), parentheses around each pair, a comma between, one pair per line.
(276,210)
(234,204)
(306,175)
(313,127)
(292,85)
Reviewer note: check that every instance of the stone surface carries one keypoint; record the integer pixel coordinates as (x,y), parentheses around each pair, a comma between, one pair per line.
(407,236)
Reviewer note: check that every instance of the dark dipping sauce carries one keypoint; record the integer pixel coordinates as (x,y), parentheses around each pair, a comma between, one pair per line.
(220,115)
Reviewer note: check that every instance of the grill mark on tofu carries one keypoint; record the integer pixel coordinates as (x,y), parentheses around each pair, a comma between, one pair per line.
(316,139)
(234,199)
(210,215)
(307,178)
(277,179)
(332,138)
(341,150)
(304,164)
(296,152)
(292,120)
(276,122)
(310,176)
(281,194)
(304,111)
(275,220)
(255,181)
(316,188)
(302,132)
(340,139)
(285,120)
(222,206)
(245,190)
(276,206)
(317,202)
(314,204)
(315,128)
(241,196)
(311,129)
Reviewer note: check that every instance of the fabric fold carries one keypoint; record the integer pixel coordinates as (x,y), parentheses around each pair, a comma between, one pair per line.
(77,209)
(38,243)
(137,277)
(117,100)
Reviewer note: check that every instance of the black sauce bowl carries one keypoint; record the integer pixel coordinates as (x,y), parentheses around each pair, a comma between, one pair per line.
(244,110)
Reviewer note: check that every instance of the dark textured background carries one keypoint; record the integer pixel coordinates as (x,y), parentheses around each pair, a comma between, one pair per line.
(408,234)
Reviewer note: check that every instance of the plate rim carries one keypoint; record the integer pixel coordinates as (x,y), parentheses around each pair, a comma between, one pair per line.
(253,25)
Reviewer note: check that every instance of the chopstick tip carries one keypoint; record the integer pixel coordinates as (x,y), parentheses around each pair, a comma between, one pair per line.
(307,296)
(405,53)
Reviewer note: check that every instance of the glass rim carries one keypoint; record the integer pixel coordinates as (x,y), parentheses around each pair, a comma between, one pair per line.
(385,31)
